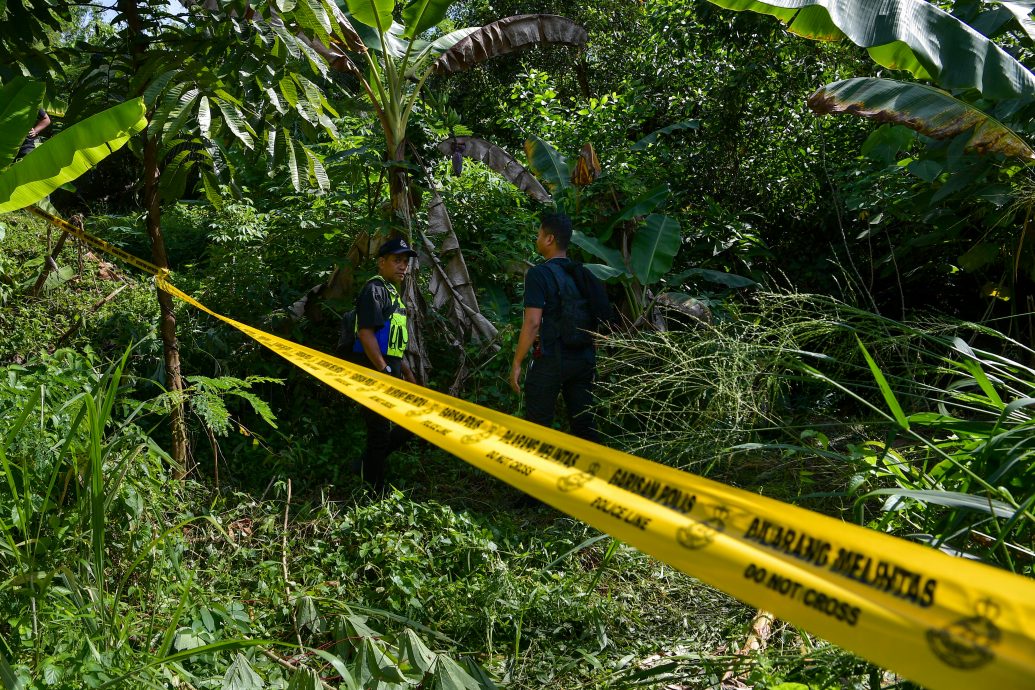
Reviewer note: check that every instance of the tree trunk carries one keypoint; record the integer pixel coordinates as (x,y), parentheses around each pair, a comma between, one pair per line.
(167,323)
(417,308)
(399,187)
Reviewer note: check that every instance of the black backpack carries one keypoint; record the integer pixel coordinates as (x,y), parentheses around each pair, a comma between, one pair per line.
(346,333)
(576,320)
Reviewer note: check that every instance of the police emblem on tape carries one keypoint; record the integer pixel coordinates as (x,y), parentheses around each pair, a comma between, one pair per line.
(966,643)
(577,480)
(698,535)
(468,439)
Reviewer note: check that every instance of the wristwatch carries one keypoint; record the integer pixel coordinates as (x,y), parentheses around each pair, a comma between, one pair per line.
(387,369)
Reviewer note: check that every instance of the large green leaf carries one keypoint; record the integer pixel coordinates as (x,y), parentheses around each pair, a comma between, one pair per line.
(654,248)
(507,36)
(1022,13)
(376,14)
(20,99)
(69,154)
(421,15)
(449,675)
(928,110)
(393,39)
(613,257)
(545,161)
(912,35)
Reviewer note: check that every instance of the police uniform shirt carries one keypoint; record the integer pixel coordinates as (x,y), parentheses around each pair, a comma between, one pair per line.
(374,310)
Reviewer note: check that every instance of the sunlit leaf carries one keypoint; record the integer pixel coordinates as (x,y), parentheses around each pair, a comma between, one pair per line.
(235,121)
(421,15)
(952,499)
(376,14)
(913,35)
(69,154)
(930,111)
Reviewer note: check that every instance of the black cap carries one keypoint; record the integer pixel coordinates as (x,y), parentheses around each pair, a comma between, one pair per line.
(396,245)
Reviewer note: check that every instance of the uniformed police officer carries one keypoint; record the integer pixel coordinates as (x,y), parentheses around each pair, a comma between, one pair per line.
(381,339)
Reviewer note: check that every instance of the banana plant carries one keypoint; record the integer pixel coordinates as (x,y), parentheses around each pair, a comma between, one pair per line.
(931,44)
(392,62)
(61,158)
(912,35)
(926,109)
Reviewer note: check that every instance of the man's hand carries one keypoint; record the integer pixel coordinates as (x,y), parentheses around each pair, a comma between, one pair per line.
(515,377)
(533,316)
(408,373)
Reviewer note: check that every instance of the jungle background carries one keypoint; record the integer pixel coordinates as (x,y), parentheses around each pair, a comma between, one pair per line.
(826,298)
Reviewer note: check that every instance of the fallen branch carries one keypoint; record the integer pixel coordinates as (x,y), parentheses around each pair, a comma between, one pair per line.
(82,317)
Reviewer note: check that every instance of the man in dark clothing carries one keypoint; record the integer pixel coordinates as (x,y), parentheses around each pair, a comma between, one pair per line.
(556,368)
(381,339)
(30,141)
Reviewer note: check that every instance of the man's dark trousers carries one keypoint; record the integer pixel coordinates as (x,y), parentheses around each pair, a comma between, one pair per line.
(383,439)
(570,375)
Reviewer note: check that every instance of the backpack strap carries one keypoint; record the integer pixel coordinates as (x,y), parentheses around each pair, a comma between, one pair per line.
(565,283)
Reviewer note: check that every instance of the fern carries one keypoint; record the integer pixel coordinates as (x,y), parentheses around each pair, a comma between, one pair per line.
(207,398)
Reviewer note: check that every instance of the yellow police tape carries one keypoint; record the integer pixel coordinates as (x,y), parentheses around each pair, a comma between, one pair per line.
(941,621)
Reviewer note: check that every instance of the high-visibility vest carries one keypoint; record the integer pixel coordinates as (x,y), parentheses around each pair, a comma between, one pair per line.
(393,336)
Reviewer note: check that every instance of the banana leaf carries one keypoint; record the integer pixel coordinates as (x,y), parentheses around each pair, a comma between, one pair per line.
(545,161)
(500,161)
(642,205)
(376,14)
(928,110)
(615,264)
(68,155)
(912,35)
(436,48)
(421,15)
(507,36)
(451,287)
(20,99)
(654,248)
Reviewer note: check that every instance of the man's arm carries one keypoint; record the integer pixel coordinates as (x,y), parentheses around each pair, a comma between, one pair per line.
(40,126)
(529,330)
(371,349)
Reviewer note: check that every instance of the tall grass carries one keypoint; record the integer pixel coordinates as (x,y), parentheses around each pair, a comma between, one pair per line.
(922,428)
